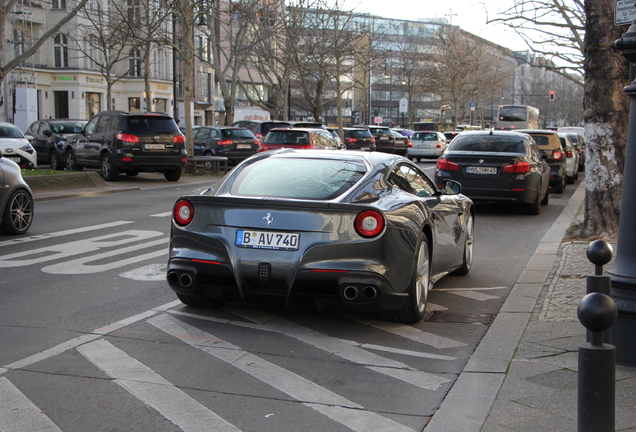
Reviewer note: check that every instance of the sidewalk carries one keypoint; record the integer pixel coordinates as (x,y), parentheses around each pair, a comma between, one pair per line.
(93,185)
(523,375)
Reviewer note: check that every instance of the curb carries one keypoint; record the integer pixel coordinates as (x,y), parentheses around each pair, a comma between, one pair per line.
(479,383)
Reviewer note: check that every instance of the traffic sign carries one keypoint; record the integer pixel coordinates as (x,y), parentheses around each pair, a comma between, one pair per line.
(404,105)
(624,12)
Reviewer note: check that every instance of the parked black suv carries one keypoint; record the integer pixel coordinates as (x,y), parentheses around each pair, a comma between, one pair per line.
(385,140)
(129,142)
(235,143)
(261,128)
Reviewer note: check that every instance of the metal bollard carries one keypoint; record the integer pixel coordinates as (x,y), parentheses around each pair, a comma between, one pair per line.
(597,359)
(599,253)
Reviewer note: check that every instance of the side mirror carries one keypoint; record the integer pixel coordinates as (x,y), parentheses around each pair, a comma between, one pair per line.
(48,133)
(451,187)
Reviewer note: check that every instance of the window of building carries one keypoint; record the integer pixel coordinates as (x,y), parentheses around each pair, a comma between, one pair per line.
(203,88)
(133,11)
(58,4)
(134,63)
(161,105)
(60,50)
(93,104)
(134,104)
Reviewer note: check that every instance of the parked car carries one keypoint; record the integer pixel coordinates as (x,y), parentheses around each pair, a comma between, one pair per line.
(578,141)
(129,142)
(406,132)
(450,135)
(260,128)
(497,166)
(234,143)
(402,143)
(301,138)
(308,124)
(304,232)
(15,147)
(571,158)
(427,144)
(334,132)
(48,138)
(554,154)
(16,199)
(384,139)
(359,139)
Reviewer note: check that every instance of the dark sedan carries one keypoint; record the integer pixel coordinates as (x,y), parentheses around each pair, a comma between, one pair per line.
(361,231)
(234,143)
(497,166)
(48,137)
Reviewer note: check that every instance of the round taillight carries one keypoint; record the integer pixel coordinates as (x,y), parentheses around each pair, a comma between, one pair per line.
(183,212)
(369,223)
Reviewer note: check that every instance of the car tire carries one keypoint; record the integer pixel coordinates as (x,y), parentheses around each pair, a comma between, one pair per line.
(199,302)
(534,207)
(413,310)
(468,248)
(576,175)
(560,186)
(18,213)
(173,175)
(546,197)
(71,162)
(55,162)
(208,165)
(419,159)
(109,170)
(571,179)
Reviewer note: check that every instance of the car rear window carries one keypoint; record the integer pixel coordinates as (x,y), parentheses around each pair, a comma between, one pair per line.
(287,137)
(151,124)
(377,130)
(237,133)
(488,143)
(361,134)
(313,179)
(541,140)
(266,127)
(425,136)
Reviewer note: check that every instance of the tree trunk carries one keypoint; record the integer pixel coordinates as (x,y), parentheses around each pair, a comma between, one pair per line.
(606,114)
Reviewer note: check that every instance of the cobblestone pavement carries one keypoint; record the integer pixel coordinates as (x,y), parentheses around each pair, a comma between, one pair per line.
(566,285)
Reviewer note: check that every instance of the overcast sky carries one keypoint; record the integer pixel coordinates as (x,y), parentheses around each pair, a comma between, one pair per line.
(467,14)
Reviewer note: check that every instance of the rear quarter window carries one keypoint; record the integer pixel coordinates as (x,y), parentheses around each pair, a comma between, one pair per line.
(425,136)
(361,134)
(237,133)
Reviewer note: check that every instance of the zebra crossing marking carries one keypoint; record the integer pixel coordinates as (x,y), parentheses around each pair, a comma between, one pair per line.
(18,413)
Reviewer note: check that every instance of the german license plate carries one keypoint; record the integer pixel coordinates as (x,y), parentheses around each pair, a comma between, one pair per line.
(481,170)
(154,146)
(423,146)
(14,159)
(365,148)
(244,146)
(267,240)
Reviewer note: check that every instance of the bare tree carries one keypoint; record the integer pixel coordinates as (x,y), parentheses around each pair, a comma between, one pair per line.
(6,7)
(105,44)
(606,107)
(148,23)
(553,29)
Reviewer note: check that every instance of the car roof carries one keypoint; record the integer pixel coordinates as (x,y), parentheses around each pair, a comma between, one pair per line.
(538,131)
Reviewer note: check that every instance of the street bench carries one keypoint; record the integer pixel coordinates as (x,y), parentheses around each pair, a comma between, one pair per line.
(213,161)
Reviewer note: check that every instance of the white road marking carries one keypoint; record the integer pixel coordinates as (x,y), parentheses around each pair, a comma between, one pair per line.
(412,333)
(407,352)
(83,265)
(319,398)
(18,413)
(224,321)
(432,307)
(15,240)
(474,293)
(149,273)
(164,214)
(78,247)
(335,346)
(153,390)
(73,343)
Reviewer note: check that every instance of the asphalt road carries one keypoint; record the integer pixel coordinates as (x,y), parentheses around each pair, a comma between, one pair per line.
(94,340)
